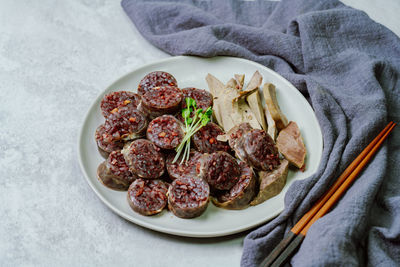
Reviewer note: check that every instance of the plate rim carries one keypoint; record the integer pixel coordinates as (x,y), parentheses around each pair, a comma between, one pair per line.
(178,232)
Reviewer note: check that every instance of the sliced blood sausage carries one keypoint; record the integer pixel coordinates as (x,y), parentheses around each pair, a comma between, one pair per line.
(219,169)
(240,195)
(125,124)
(236,141)
(205,140)
(186,169)
(203,98)
(156,79)
(147,197)
(165,132)
(161,100)
(114,172)
(188,197)
(237,132)
(105,142)
(260,149)
(144,159)
(118,99)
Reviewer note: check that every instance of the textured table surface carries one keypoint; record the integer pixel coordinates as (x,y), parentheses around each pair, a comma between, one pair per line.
(55,58)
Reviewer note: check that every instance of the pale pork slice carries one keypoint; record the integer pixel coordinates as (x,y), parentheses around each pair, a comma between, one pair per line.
(245,114)
(272,131)
(239,80)
(254,101)
(254,82)
(229,113)
(238,111)
(269,92)
(271,183)
(253,85)
(290,145)
(216,89)
(232,84)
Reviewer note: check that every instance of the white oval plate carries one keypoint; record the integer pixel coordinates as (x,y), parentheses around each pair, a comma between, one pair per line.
(191,72)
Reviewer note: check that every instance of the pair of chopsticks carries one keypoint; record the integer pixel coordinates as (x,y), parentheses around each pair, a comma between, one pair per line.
(296,235)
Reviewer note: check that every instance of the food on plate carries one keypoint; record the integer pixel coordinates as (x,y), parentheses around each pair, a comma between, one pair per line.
(188,197)
(114,172)
(216,89)
(290,144)
(242,112)
(203,98)
(192,134)
(252,86)
(219,169)
(144,159)
(147,197)
(205,139)
(255,105)
(156,79)
(240,195)
(178,170)
(115,100)
(253,146)
(271,182)
(239,78)
(272,131)
(272,105)
(125,124)
(105,142)
(260,149)
(230,104)
(192,125)
(235,141)
(161,100)
(165,132)
(236,133)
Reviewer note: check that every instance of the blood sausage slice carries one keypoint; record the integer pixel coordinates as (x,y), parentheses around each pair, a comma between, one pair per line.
(114,100)
(105,142)
(202,97)
(147,197)
(240,195)
(205,140)
(114,173)
(125,124)
(161,100)
(144,159)
(156,79)
(260,149)
(165,132)
(188,197)
(186,169)
(219,169)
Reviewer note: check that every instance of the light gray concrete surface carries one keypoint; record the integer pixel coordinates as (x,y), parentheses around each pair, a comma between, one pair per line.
(55,58)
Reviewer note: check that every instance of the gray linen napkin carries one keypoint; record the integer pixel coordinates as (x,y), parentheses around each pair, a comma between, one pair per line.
(348,67)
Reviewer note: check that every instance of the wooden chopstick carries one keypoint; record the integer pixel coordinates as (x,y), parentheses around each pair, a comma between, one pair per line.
(298,232)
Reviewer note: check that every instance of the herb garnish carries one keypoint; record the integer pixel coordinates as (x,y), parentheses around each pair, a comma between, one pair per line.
(192,125)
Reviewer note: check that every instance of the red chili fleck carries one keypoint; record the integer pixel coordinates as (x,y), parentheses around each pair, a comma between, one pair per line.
(140,191)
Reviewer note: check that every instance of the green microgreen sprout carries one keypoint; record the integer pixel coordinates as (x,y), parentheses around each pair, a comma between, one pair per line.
(192,125)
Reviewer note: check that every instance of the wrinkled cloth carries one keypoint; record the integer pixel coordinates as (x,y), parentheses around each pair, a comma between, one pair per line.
(348,67)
